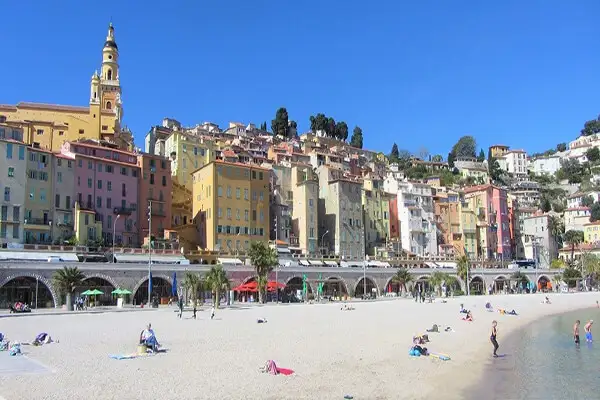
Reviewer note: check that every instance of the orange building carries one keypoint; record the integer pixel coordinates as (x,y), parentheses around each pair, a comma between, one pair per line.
(154,185)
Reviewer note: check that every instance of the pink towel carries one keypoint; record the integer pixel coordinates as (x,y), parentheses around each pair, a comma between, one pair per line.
(274,370)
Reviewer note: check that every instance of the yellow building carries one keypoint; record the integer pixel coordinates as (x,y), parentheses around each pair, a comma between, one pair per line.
(231,205)
(498,150)
(468,227)
(187,153)
(48,126)
(87,229)
(376,206)
(39,196)
(591,232)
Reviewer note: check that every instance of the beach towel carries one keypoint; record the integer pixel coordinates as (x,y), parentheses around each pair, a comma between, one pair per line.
(15,349)
(434,328)
(442,357)
(125,356)
(271,368)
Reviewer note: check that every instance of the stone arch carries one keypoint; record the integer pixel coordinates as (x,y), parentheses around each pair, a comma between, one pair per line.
(107,278)
(477,285)
(423,281)
(500,283)
(141,282)
(309,285)
(250,279)
(370,284)
(335,283)
(41,278)
(542,282)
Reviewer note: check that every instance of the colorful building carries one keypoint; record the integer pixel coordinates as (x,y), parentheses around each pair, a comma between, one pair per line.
(447,209)
(48,126)
(155,185)
(591,232)
(376,206)
(63,168)
(106,182)
(39,197)
(13,182)
(231,205)
(305,213)
(468,227)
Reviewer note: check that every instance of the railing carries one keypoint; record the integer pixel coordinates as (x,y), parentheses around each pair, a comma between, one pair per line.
(37,221)
(123,210)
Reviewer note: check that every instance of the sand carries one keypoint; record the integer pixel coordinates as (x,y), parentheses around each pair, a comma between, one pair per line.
(362,353)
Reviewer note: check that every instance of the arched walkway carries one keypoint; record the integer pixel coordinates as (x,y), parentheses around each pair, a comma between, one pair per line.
(477,286)
(24,288)
(500,284)
(422,283)
(161,288)
(100,283)
(334,287)
(294,286)
(544,283)
(366,286)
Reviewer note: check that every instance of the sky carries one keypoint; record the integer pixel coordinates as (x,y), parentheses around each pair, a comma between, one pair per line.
(419,73)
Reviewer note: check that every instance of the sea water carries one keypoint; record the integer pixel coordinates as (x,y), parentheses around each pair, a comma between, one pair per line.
(541,361)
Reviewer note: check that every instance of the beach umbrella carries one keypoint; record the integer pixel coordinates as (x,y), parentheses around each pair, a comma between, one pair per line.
(94,293)
(174,287)
(87,293)
(117,291)
(125,291)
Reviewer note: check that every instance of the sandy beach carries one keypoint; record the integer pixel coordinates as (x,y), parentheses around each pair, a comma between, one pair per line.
(362,353)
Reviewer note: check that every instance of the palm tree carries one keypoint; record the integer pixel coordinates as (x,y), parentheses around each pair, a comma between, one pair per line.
(437,279)
(463,265)
(264,258)
(574,238)
(557,280)
(65,282)
(193,283)
(402,277)
(556,226)
(217,281)
(452,282)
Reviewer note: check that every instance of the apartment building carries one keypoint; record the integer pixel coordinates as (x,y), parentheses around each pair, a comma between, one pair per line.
(514,162)
(448,215)
(106,183)
(155,187)
(13,182)
(576,218)
(63,169)
(305,214)
(376,206)
(468,227)
(540,244)
(39,198)
(545,165)
(231,205)
(340,214)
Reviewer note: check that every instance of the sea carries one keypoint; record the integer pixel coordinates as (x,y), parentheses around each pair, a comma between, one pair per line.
(541,361)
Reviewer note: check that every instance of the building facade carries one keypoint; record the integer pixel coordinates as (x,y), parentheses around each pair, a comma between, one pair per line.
(540,245)
(39,199)
(13,180)
(376,206)
(155,188)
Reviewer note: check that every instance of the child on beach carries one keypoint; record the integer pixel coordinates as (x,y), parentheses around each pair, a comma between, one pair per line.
(494,337)
(576,332)
(212,312)
(588,331)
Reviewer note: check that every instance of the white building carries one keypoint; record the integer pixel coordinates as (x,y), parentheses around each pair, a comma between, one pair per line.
(576,199)
(540,245)
(545,165)
(576,218)
(514,162)
(415,214)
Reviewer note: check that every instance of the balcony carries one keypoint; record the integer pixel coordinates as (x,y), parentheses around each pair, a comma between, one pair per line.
(471,230)
(4,218)
(159,213)
(37,223)
(123,211)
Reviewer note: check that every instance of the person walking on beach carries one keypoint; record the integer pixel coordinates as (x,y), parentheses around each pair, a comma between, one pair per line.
(588,331)
(494,337)
(576,332)
(180,304)
(212,312)
(194,316)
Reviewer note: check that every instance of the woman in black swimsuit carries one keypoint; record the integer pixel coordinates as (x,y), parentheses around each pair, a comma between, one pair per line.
(493,337)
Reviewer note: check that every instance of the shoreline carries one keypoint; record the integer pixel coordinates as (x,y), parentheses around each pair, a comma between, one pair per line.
(480,363)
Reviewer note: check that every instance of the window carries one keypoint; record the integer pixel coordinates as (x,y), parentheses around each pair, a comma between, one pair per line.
(57,201)
(220,191)
(68,202)
(99,183)
(80,163)
(108,103)
(246,215)
(15,231)
(261,196)
(152,179)
(253,215)
(9,148)
(90,183)
(164,180)
(61,133)
(11,172)
(262,216)
(134,173)
(59,176)
(21,152)
(99,167)
(124,171)
(219,212)
(87,219)
(245,194)
(237,214)
(163,164)
(229,213)
(78,181)
(229,192)
(254,195)
(39,132)
(109,221)
(90,164)
(43,194)
(109,169)
(104,127)
(123,190)
(260,176)
(253,174)
(109,186)
(98,202)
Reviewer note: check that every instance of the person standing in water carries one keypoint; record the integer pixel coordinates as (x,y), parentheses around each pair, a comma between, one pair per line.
(576,332)
(494,337)
(588,331)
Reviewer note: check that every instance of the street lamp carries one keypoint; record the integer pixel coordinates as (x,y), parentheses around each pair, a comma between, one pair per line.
(113,237)
(365,276)
(322,242)
(50,224)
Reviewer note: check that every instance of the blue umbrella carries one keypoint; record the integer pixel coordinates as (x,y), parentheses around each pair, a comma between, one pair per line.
(174,287)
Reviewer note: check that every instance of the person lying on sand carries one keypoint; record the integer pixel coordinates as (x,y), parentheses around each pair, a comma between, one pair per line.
(148,338)
(547,301)
(469,317)
(347,308)
(262,320)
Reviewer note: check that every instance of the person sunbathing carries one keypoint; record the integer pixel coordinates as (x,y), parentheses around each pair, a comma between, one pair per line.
(469,317)
(148,339)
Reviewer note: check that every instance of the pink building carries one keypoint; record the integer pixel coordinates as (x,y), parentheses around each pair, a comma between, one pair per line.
(155,185)
(493,225)
(106,182)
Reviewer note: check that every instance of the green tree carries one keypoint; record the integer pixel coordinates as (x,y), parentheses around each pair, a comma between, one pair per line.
(573,238)
(437,158)
(66,280)
(436,280)
(587,201)
(341,131)
(591,127)
(279,125)
(520,278)
(451,159)
(465,147)
(318,123)
(193,283)
(595,212)
(217,281)
(570,276)
(556,228)
(402,278)
(571,170)
(292,129)
(330,127)
(590,265)
(263,258)
(357,138)
(263,126)
(561,147)
(557,263)
(481,157)
(463,265)
(394,154)
(545,205)
(593,154)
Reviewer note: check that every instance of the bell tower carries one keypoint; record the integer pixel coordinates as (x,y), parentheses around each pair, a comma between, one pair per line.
(105,97)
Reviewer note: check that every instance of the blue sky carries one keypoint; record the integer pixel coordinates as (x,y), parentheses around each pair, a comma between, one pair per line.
(419,73)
